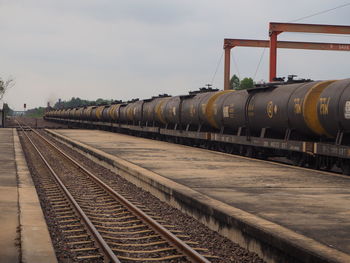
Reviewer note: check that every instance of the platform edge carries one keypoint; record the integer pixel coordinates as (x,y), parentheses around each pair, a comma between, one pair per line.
(36,244)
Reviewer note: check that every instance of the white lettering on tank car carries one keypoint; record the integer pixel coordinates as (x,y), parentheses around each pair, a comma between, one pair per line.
(347,110)
(225,112)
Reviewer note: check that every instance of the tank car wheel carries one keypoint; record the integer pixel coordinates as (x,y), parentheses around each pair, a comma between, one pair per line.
(314,162)
(183,141)
(241,150)
(229,148)
(345,166)
(261,154)
(221,147)
(328,165)
(297,159)
(249,151)
(212,146)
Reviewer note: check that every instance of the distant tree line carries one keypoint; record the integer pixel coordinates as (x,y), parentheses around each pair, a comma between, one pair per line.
(72,103)
(77,102)
(36,112)
(237,84)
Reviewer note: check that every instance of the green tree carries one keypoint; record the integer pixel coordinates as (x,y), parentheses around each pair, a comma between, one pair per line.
(77,102)
(7,109)
(246,83)
(234,82)
(5,85)
(36,112)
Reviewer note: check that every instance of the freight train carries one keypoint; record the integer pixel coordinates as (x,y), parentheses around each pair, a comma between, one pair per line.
(306,121)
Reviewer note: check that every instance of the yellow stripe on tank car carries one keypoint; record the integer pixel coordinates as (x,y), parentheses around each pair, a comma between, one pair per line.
(210,110)
(130,112)
(114,111)
(159,109)
(99,111)
(310,107)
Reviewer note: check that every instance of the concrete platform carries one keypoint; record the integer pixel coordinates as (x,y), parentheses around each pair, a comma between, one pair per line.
(284,213)
(24,235)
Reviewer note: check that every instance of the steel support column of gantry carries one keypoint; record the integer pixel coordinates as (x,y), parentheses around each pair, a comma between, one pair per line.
(277,28)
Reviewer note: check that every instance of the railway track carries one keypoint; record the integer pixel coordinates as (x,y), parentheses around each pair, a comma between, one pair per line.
(99,224)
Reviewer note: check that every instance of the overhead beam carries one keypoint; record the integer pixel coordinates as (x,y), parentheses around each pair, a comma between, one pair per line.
(230,43)
(277,28)
(309,28)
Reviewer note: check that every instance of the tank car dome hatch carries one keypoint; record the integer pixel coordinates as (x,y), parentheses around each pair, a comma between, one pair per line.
(201,90)
(161,96)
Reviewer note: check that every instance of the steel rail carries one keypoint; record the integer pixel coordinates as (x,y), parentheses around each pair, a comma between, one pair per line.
(102,243)
(180,245)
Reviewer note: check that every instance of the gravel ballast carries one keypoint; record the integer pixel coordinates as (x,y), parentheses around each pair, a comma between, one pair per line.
(224,249)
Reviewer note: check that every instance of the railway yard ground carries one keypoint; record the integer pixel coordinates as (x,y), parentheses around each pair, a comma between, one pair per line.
(34,122)
(232,208)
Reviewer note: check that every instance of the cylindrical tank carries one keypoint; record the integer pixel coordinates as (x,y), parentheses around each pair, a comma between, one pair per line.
(307,122)
(79,113)
(123,113)
(99,111)
(153,109)
(159,110)
(333,108)
(105,113)
(149,110)
(66,113)
(61,113)
(75,113)
(192,108)
(114,112)
(72,113)
(292,106)
(72,110)
(137,110)
(209,108)
(172,110)
(134,111)
(268,108)
(93,116)
(87,112)
(229,109)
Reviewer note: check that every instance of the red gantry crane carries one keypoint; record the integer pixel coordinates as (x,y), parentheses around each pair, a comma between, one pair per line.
(273,44)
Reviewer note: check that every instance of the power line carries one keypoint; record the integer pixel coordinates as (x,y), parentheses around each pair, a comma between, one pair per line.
(236,65)
(258,66)
(217,67)
(302,18)
(323,34)
(319,13)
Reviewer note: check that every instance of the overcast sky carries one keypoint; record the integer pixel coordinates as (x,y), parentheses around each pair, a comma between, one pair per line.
(139,48)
